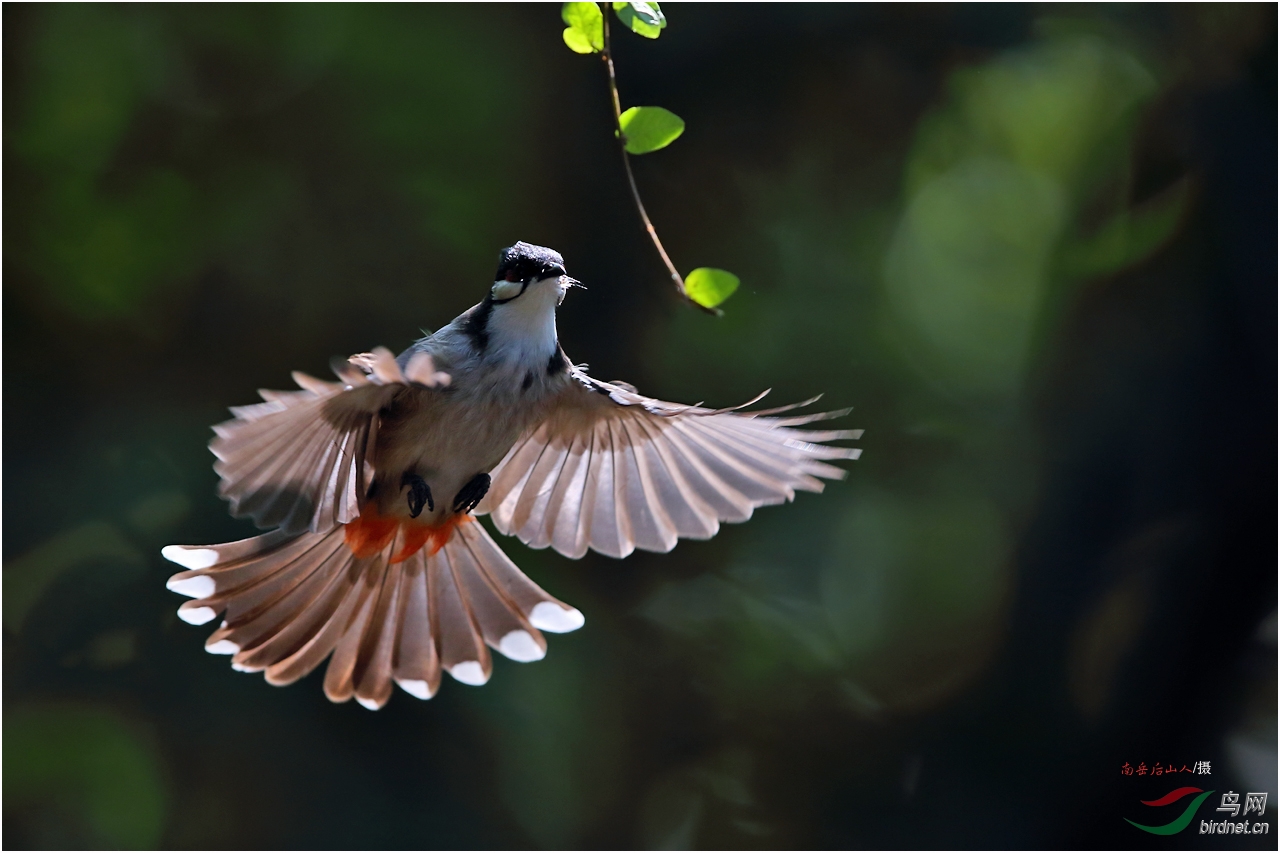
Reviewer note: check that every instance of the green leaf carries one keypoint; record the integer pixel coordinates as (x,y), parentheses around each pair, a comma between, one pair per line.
(1129,237)
(585,33)
(709,287)
(644,19)
(650,128)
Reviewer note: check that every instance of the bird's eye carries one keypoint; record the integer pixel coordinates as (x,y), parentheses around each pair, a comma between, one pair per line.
(512,275)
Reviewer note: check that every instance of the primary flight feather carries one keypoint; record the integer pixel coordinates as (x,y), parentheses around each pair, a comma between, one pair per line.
(372,483)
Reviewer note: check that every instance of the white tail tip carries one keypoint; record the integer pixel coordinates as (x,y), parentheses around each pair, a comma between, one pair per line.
(549,616)
(415,687)
(371,704)
(222,647)
(469,672)
(520,646)
(196,615)
(190,558)
(200,586)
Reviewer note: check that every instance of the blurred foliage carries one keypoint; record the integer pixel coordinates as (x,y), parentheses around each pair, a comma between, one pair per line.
(27,577)
(1027,244)
(556,783)
(998,183)
(106,243)
(914,578)
(94,781)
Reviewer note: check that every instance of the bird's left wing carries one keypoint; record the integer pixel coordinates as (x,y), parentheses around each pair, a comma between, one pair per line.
(302,460)
(613,470)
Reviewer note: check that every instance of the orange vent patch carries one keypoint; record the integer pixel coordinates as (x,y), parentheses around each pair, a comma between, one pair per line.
(371,533)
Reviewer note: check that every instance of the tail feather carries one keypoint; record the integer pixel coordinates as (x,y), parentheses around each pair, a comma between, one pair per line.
(462,650)
(542,611)
(258,611)
(301,619)
(416,664)
(339,684)
(372,674)
(290,601)
(501,624)
(326,628)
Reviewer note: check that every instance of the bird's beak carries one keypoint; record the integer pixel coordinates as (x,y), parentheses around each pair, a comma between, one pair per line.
(565,283)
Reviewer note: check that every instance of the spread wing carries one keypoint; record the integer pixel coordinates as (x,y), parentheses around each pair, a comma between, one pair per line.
(613,470)
(302,460)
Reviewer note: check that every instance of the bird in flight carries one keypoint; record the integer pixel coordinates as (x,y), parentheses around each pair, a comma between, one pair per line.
(370,486)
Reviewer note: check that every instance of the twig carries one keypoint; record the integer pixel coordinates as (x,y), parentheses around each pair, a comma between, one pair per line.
(607,55)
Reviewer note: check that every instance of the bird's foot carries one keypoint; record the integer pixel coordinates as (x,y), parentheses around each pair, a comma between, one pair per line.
(419,494)
(470,495)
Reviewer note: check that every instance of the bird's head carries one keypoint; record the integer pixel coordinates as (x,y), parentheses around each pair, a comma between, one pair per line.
(532,273)
(518,318)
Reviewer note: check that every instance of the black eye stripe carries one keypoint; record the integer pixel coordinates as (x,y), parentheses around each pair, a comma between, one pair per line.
(527,274)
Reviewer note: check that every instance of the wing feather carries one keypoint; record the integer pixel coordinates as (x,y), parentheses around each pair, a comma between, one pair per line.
(565,508)
(508,479)
(692,516)
(612,470)
(767,463)
(301,459)
(599,518)
(530,510)
(650,521)
(726,502)
(540,525)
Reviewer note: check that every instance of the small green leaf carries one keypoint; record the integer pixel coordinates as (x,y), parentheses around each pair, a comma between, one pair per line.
(709,287)
(578,41)
(585,33)
(644,19)
(650,128)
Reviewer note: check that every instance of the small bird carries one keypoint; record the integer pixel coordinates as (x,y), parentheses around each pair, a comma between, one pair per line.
(370,487)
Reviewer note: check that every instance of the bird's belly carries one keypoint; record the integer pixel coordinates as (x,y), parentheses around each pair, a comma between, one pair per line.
(446,442)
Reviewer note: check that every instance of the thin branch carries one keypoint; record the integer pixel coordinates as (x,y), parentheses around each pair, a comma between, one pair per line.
(607,55)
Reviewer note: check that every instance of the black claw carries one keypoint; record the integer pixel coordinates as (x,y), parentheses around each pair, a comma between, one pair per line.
(472,493)
(419,494)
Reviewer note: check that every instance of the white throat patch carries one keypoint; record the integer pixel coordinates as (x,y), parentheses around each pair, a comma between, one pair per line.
(524,329)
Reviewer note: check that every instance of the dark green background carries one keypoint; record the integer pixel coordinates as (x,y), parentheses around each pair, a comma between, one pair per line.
(1033,246)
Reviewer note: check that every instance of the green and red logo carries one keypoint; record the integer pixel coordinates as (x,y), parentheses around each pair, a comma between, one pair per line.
(1183,820)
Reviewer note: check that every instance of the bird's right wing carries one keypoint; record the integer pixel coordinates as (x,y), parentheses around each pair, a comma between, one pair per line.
(612,470)
(302,460)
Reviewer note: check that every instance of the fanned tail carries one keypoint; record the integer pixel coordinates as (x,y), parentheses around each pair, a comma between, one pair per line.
(288,601)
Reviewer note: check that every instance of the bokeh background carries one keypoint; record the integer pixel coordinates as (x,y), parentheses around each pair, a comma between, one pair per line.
(1034,247)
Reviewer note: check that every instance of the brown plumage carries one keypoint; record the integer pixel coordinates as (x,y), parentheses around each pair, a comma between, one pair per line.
(375,561)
